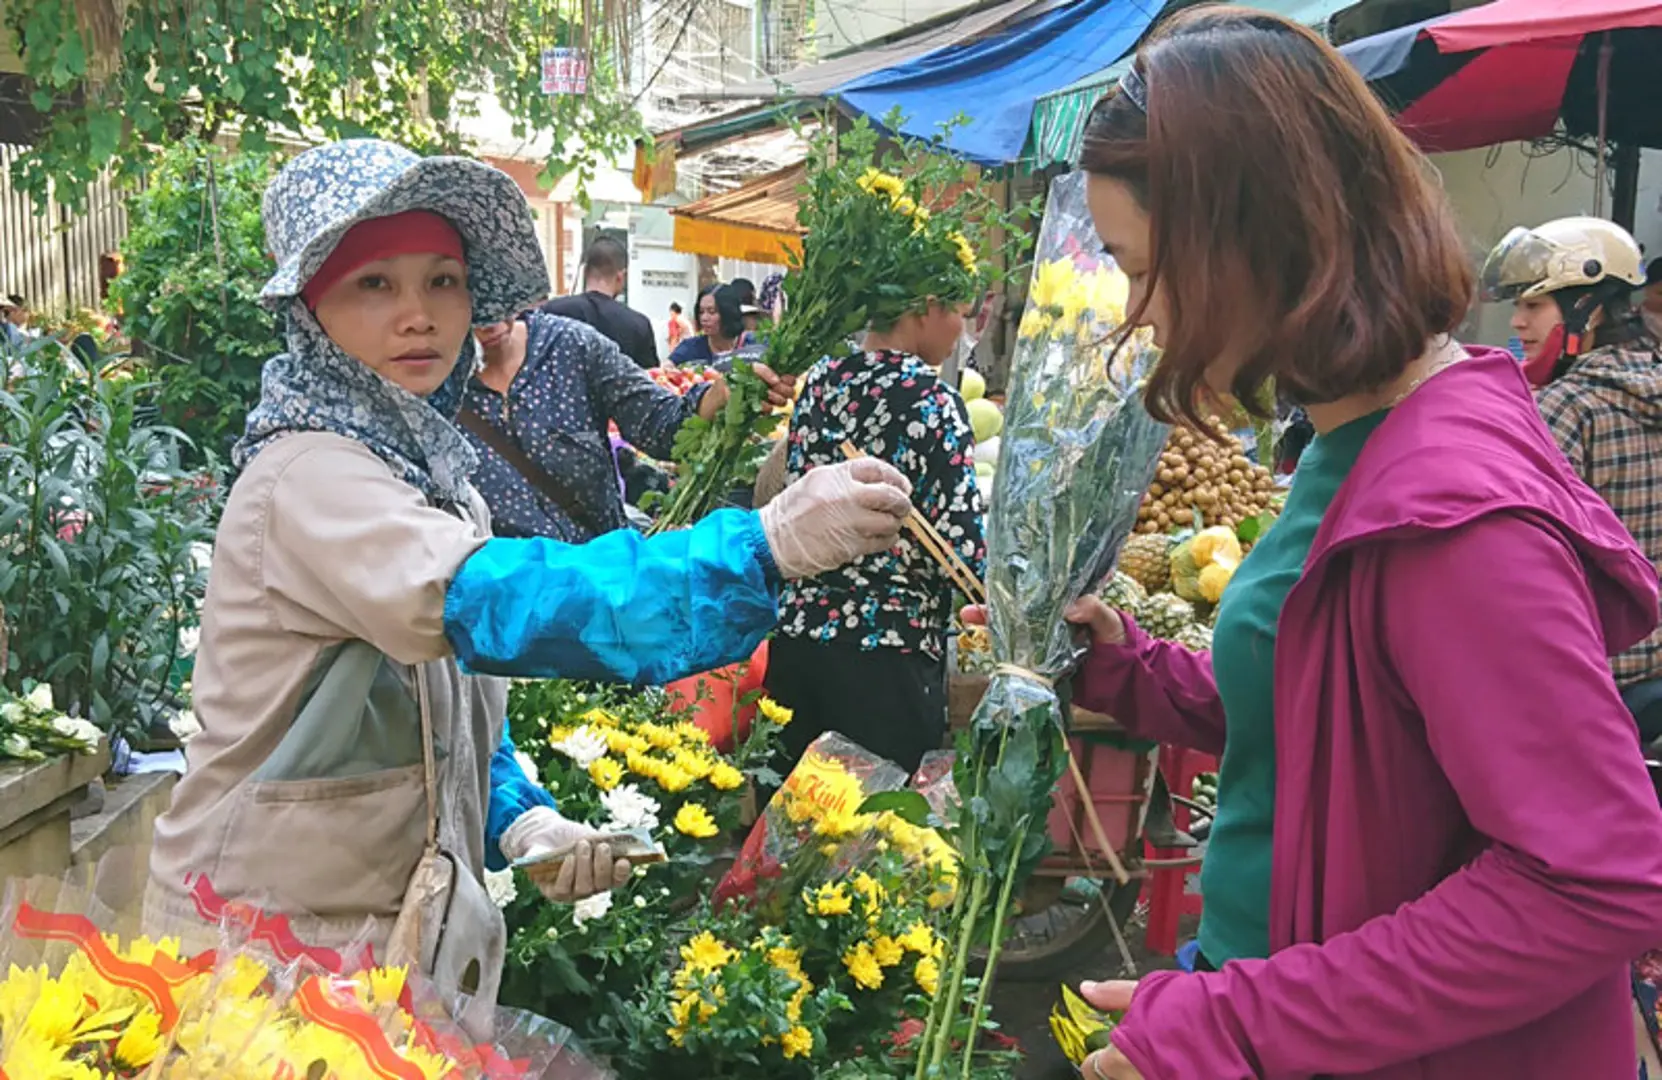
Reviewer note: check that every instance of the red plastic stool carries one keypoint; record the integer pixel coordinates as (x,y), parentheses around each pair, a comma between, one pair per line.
(1167,889)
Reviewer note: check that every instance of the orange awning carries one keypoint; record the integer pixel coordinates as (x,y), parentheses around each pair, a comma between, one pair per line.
(755,222)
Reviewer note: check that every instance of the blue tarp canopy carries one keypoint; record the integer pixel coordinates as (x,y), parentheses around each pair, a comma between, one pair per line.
(996,80)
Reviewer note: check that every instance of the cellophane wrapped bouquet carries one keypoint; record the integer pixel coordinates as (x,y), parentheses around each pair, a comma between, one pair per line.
(1078,451)
(93,992)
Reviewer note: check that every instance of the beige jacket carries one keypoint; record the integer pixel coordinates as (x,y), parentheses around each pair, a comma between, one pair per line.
(304,791)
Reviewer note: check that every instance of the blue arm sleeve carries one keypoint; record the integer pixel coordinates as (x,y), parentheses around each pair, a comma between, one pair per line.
(622,607)
(512,793)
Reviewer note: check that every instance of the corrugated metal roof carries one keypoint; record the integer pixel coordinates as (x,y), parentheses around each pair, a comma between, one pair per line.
(815,80)
(767,202)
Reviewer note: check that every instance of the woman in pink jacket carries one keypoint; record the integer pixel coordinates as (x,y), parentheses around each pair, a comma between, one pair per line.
(1437,850)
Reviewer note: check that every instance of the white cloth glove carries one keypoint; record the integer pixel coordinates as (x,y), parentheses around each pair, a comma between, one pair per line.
(835,514)
(591,869)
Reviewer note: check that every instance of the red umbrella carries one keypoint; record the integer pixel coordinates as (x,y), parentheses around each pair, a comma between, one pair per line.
(1512,69)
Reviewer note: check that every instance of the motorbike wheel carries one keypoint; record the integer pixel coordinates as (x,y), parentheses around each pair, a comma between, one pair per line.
(1049,943)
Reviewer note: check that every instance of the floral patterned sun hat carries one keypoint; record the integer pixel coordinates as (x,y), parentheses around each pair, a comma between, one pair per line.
(328,189)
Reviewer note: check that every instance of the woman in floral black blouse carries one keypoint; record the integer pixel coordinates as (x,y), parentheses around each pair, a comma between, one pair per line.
(861,650)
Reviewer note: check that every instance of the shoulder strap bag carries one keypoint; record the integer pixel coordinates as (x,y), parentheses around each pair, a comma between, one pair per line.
(534,474)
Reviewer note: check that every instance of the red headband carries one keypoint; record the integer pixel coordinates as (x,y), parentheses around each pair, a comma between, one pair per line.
(410,233)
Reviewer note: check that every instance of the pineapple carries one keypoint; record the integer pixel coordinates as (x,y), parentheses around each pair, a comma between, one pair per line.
(1165,615)
(1122,592)
(1195,636)
(1144,560)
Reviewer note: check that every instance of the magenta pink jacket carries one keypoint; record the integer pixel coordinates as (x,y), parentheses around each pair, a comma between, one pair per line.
(1467,852)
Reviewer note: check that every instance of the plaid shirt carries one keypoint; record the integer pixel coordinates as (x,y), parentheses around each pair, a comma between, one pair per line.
(1606,414)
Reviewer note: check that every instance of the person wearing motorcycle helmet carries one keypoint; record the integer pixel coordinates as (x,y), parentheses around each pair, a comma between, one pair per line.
(1565,279)
(1596,362)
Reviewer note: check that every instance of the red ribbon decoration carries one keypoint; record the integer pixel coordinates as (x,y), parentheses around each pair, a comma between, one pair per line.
(78,930)
(317,1005)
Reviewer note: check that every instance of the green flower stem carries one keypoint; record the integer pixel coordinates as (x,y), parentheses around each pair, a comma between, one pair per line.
(960,964)
(1000,913)
(937,1007)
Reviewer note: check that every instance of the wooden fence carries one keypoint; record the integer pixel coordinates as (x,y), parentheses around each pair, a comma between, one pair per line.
(50,257)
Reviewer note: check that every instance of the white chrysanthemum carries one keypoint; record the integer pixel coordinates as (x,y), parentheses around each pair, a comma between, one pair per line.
(41,697)
(584,746)
(629,809)
(500,885)
(590,908)
(528,766)
(82,731)
(189,638)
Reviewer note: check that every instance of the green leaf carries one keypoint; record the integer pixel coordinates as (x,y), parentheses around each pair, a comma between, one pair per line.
(910,806)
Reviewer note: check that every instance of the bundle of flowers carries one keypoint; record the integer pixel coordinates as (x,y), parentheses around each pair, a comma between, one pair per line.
(1078,451)
(259,1006)
(623,760)
(820,957)
(31,729)
(883,236)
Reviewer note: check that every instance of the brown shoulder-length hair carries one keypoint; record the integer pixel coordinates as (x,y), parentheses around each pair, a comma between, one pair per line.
(1294,228)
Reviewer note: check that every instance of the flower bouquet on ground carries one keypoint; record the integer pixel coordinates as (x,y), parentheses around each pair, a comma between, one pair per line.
(1078,451)
(88,995)
(882,236)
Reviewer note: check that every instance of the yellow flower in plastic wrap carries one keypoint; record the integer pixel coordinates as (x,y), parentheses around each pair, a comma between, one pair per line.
(724,777)
(1076,301)
(695,821)
(606,773)
(928,975)
(1034,324)
(829,899)
(707,954)
(888,951)
(775,713)
(1051,282)
(1110,291)
(386,984)
(862,964)
(919,939)
(797,1042)
(140,1042)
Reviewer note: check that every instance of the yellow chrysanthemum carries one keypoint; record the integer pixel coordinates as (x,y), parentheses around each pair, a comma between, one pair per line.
(888,951)
(966,253)
(724,777)
(661,738)
(829,899)
(692,734)
(140,1042)
(624,742)
(775,713)
(876,182)
(695,821)
(707,953)
(1051,282)
(1034,324)
(871,889)
(559,733)
(785,958)
(606,773)
(599,718)
(697,766)
(386,984)
(919,939)
(797,1042)
(863,966)
(673,778)
(905,204)
(928,975)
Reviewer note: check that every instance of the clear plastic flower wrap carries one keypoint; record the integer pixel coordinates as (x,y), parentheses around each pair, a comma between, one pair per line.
(91,988)
(1076,455)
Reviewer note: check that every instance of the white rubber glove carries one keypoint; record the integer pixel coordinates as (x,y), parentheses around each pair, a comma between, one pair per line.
(590,870)
(835,514)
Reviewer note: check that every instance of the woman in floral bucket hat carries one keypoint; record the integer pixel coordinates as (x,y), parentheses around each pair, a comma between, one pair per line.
(353,767)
